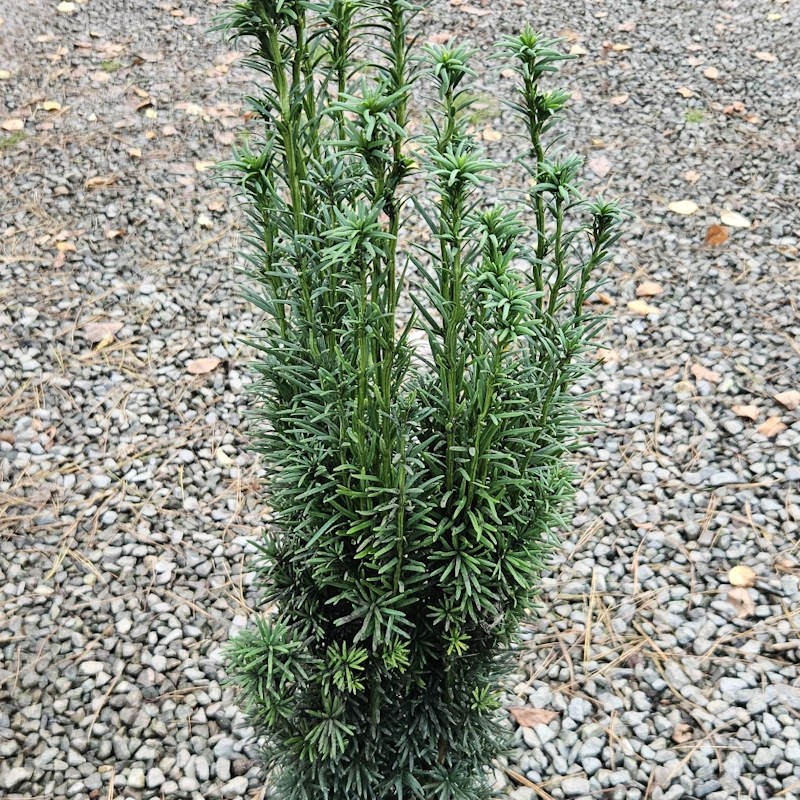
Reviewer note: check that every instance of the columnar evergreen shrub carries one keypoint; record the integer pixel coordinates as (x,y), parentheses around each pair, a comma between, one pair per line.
(416,491)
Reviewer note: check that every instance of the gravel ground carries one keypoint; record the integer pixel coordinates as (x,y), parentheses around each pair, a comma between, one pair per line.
(127,496)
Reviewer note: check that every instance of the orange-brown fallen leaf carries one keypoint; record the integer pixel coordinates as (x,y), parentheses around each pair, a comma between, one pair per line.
(528,717)
(716,235)
(772,426)
(202,366)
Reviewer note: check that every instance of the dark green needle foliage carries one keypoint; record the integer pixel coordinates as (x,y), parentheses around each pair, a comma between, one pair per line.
(416,492)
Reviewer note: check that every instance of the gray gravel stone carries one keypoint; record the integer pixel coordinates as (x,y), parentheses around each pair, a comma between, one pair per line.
(236,787)
(12,778)
(574,786)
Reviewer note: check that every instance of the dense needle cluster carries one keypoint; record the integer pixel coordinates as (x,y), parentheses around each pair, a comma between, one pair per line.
(415,491)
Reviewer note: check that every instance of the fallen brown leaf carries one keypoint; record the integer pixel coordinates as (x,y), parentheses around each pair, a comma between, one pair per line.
(683,207)
(763,55)
(702,373)
(642,308)
(528,717)
(716,235)
(750,411)
(772,426)
(649,289)
(740,599)
(789,399)
(202,366)
(685,91)
(442,37)
(733,219)
(97,331)
(100,181)
(682,733)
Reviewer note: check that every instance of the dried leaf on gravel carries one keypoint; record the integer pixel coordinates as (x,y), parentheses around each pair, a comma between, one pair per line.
(528,717)
(100,76)
(489,134)
(475,11)
(685,91)
(712,73)
(4,74)
(716,235)
(619,99)
(740,599)
(683,207)
(682,733)
(66,7)
(204,166)
(789,399)
(600,165)
(749,411)
(442,37)
(202,366)
(763,55)
(621,47)
(12,125)
(702,373)
(97,331)
(741,575)
(641,307)
(649,289)
(772,426)
(601,297)
(51,105)
(733,219)
(578,50)
(100,181)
